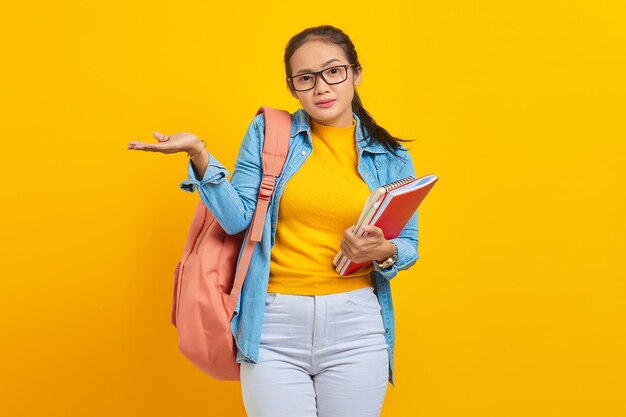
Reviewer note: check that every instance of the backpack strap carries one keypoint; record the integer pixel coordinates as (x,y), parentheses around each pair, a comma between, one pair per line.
(275,149)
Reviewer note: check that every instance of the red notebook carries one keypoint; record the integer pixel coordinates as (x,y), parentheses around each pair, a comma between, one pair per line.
(389,207)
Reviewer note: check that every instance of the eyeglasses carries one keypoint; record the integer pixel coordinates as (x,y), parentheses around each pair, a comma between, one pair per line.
(331,76)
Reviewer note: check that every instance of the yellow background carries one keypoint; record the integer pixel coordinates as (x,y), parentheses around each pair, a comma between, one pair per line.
(517,305)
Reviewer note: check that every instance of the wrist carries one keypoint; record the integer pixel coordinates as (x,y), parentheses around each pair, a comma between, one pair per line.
(389,252)
(194,153)
(196,148)
(391,260)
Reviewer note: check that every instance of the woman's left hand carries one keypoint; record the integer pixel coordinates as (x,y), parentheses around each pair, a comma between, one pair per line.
(370,247)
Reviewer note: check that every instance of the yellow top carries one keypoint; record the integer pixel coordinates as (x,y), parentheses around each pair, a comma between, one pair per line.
(323,198)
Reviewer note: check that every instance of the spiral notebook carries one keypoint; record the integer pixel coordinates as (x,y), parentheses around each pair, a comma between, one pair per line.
(389,207)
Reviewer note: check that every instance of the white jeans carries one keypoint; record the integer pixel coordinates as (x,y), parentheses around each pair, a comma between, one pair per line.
(320,356)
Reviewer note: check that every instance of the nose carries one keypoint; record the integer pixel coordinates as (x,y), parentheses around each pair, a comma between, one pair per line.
(320,85)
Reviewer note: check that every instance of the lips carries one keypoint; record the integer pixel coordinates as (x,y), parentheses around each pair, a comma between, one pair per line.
(325,103)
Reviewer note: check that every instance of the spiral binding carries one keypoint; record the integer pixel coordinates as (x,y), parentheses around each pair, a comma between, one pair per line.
(399,183)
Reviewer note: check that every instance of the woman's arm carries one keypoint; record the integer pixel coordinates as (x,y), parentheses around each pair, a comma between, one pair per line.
(373,245)
(231,202)
(407,241)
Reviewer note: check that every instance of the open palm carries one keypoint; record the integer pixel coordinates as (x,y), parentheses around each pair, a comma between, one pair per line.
(178,142)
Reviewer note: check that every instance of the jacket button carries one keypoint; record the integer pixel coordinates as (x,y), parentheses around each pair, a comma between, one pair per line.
(303,153)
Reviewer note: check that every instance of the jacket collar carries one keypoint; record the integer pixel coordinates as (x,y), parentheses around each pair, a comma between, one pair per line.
(300,122)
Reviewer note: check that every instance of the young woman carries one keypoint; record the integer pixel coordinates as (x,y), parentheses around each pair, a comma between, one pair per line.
(310,342)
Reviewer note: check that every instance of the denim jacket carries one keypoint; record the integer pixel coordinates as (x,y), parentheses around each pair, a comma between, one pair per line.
(233,203)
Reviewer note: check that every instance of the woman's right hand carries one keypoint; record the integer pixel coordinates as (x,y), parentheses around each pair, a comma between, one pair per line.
(178,142)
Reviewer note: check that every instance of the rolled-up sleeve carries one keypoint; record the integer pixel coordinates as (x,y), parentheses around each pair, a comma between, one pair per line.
(214,174)
(407,241)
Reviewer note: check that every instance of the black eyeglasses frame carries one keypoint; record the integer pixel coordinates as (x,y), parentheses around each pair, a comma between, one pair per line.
(320,73)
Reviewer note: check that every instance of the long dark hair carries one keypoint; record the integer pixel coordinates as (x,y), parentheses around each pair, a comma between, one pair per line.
(331,34)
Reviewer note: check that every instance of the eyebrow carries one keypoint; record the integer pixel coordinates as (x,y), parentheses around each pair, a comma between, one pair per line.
(323,65)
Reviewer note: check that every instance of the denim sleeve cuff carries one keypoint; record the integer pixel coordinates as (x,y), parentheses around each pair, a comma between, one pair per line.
(407,256)
(214,174)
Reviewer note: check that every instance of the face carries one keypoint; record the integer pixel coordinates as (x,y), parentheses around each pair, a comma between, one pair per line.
(316,56)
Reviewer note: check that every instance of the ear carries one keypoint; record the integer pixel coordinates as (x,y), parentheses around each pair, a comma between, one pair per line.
(357,78)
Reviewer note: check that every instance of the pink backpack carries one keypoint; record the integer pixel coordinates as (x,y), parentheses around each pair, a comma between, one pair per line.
(207,281)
